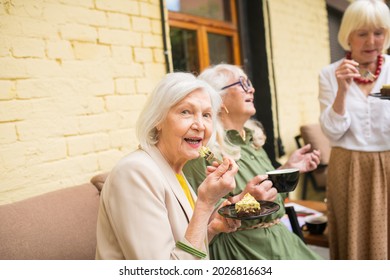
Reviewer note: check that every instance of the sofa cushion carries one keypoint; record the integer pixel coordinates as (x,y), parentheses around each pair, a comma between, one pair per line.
(57,225)
(312,133)
(98,180)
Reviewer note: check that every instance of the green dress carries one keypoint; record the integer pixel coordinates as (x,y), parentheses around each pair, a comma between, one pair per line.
(272,243)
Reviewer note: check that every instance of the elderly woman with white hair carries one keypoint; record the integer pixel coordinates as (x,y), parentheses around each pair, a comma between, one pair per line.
(242,138)
(148,210)
(358,127)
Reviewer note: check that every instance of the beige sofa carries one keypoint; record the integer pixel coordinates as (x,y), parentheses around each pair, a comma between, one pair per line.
(59,225)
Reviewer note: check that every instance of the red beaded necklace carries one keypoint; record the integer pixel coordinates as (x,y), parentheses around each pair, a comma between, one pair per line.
(361,80)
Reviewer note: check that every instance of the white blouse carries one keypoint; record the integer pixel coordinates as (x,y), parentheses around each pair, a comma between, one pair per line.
(366,124)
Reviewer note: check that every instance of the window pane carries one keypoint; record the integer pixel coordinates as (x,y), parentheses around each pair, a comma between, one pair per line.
(215,9)
(220,48)
(184,50)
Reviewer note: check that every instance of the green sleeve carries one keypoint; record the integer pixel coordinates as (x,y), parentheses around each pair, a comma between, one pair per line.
(195,172)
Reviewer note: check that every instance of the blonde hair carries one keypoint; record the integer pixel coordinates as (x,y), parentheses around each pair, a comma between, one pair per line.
(218,76)
(364,13)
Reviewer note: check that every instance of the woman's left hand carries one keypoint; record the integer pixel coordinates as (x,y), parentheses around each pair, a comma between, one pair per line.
(304,159)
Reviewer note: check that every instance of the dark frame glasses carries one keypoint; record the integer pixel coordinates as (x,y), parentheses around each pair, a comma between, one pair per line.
(245,84)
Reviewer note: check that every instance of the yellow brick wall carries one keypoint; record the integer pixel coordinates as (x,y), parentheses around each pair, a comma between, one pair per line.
(74,75)
(300,47)
(300,41)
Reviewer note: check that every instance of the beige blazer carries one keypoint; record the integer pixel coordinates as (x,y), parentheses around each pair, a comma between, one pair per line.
(143,210)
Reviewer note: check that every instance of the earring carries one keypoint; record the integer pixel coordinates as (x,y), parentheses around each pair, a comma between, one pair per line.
(225,109)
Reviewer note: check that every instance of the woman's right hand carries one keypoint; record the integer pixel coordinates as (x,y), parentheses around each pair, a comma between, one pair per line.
(345,74)
(219,182)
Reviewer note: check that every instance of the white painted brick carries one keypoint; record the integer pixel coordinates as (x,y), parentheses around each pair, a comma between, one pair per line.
(12,68)
(39,29)
(5,45)
(59,13)
(80,63)
(12,156)
(120,6)
(11,25)
(2,11)
(85,144)
(119,37)
(31,130)
(70,105)
(46,87)
(127,119)
(156,27)
(108,159)
(121,138)
(25,8)
(79,32)
(41,67)
(94,105)
(127,70)
(152,41)
(87,70)
(7,133)
(125,86)
(54,12)
(141,24)
(86,51)
(122,54)
(7,91)
(59,49)
(144,85)
(102,87)
(149,10)
(143,55)
(84,3)
(158,56)
(27,47)
(125,102)
(46,177)
(157,70)
(119,21)
(45,150)
(98,123)
(14,110)
(70,125)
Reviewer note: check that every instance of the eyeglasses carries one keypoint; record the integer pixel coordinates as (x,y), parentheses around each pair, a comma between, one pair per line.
(245,84)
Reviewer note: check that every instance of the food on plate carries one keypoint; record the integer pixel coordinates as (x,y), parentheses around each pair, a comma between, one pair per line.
(385,90)
(247,206)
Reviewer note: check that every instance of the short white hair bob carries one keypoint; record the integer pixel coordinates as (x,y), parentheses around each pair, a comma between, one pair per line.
(364,14)
(169,91)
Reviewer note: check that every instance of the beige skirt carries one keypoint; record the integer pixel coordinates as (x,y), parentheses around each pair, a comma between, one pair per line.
(358,192)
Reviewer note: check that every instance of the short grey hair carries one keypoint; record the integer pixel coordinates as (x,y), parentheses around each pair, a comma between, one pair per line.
(364,13)
(169,91)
